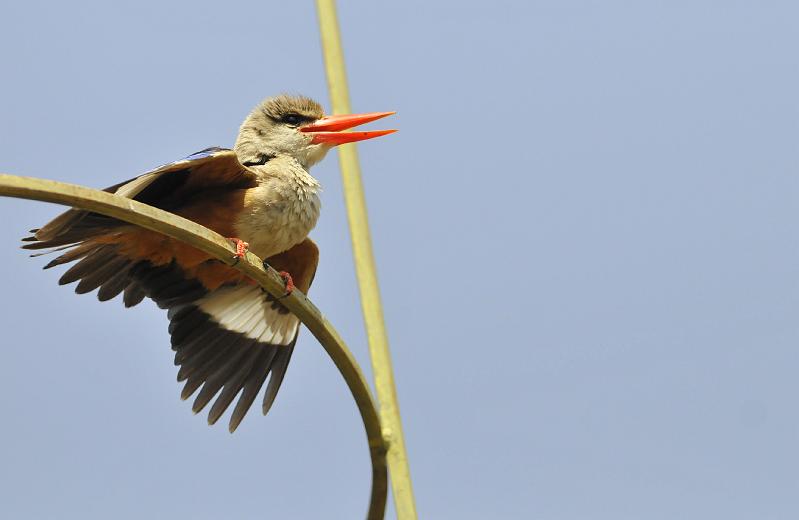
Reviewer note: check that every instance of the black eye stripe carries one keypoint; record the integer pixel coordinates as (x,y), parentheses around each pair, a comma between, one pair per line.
(263,159)
(294,119)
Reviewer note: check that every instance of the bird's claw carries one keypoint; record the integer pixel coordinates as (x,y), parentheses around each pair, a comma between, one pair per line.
(289,282)
(241,249)
(287,279)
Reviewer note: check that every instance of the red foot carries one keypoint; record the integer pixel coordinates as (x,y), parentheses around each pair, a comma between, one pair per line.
(289,282)
(241,248)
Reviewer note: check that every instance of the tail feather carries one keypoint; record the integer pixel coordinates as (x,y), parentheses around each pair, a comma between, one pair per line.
(53,250)
(96,265)
(70,228)
(133,294)
(197,356)
(251,386)
(222,373)
(278,369)
(78,252)
(59,225)
(229,342)
(93,261)
(61,240)
(188,326)
(201,371)
(114,285)
(194,347)
(102,275)
(232,386)
(167,286)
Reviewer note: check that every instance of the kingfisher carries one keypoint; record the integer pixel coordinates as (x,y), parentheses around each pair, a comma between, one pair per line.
(228,334)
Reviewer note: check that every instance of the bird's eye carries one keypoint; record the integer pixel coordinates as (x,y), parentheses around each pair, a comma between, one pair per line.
(292,119)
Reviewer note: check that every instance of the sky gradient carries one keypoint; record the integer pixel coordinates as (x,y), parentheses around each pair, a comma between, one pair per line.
(586,236)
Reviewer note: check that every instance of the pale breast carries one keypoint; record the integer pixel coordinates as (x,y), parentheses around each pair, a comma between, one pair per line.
(280,212)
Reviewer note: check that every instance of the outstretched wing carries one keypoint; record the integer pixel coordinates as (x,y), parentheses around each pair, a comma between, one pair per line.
(228,334)
(107,249)
(168,187)
(229,340)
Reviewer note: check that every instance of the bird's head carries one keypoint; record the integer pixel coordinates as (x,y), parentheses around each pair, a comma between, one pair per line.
(297,126)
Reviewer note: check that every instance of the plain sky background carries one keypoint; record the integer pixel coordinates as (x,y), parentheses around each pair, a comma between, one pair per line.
(586,233)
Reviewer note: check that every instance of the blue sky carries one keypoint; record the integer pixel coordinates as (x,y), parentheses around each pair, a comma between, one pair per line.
(585,232)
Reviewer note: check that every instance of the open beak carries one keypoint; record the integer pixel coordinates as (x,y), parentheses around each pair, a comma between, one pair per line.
(328,129)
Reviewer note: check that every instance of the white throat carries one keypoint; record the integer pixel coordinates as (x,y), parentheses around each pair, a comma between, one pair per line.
(282,209)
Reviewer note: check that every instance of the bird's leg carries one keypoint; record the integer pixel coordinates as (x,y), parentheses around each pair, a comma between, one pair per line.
(286,278)
(289,282)
(241,249)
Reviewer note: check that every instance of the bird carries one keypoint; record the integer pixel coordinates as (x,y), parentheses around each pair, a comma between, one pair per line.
(228,334)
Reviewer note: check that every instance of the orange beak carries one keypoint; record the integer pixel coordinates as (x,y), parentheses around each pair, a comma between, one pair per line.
(328,129)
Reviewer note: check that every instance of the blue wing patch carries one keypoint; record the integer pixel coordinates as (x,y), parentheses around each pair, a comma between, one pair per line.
(208,152)
(196,156)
